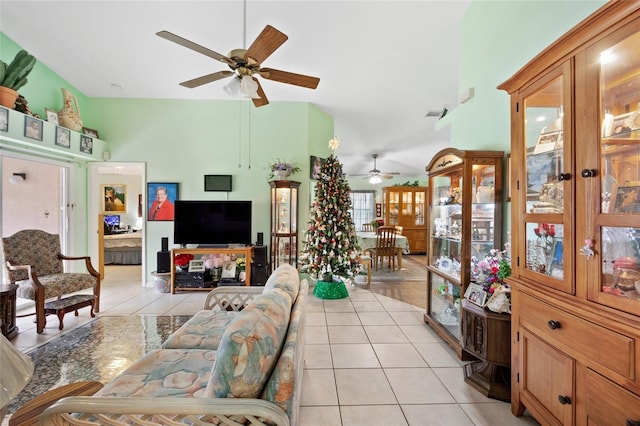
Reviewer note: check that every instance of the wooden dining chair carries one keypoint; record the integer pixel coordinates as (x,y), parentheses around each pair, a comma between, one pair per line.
(367,227)
(385,247)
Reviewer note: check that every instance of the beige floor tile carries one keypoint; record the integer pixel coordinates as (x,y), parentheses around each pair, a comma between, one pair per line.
(317,356)
(495,414)
(436,415)
(453,379)
(339,318)
(420,333)
(363,387)
(347,334)
(437,355)
(376,318)
(319,388)
(372,415)
(320,416)
(338,306)
(316,318)
(408,317)
(315,334)
(393,355)
(385,334)
(354,356)
(417,386)
(368,306)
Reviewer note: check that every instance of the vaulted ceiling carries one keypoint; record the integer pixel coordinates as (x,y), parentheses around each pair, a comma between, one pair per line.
(382,64)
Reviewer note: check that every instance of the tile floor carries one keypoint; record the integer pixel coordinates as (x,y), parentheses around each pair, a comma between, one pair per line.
(369,359)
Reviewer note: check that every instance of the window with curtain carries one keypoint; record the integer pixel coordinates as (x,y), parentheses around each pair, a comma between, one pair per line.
(363,207)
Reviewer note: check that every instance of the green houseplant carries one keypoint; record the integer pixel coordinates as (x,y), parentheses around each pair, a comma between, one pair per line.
(13,76)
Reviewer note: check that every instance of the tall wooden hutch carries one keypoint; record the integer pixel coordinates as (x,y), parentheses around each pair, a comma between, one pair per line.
(284,222)
(576,224)
(465,205)
(405,206)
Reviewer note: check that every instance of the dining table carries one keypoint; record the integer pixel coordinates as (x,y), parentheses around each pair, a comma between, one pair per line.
(367,240)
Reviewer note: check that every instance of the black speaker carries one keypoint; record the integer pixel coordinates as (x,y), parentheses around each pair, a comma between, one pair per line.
(165,244)
(163,261)
(260,256)
(260,239)
(259,274)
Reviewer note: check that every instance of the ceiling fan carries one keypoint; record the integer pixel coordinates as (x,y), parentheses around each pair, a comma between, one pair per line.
(375,176)
(246,65)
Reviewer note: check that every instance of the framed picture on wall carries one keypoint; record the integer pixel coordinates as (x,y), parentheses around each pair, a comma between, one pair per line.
(86,144)
(4,119)
(63,137)
(315,165)
(52,116)
(90,132)
(32,128)
(114,198)
(161,197)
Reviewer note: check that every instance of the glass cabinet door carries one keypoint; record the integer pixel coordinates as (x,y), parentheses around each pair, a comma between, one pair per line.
(546,182)
(394,208)
(617,240)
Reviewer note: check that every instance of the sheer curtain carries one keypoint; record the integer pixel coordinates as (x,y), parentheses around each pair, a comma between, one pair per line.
(363,207)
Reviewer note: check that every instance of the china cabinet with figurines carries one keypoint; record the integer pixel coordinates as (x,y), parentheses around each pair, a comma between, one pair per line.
(405,206)
(575,150)
(464,204)
(284,222)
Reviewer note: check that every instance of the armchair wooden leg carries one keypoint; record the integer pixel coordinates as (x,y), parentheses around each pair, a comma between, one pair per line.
(41,317)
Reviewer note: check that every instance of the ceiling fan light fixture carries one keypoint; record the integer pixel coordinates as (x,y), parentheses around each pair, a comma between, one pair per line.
(249,87)
(374,179)
(233,87)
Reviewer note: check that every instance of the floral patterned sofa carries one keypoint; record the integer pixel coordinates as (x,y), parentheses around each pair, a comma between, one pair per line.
(249,372)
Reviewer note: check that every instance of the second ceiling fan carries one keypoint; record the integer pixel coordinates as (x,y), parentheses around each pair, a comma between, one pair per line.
(375,175)
(246,64)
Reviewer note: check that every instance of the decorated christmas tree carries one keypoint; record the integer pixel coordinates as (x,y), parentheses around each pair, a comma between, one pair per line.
(330,248)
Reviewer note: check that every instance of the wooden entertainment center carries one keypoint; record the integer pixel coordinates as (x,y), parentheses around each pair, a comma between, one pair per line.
(207,268)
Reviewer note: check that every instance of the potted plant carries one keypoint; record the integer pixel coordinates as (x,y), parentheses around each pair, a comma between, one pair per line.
(14,76)
(281,169)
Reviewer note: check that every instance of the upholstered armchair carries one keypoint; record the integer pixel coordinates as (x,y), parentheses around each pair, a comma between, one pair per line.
(33,261)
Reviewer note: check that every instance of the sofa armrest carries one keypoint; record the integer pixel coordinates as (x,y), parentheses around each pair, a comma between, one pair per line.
(231,298)
(85,410)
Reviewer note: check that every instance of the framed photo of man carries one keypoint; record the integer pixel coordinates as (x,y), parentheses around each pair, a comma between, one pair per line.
(161,197)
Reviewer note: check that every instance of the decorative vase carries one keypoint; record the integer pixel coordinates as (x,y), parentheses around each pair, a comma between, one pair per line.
(69,115)
(280,174)
(330,290)
(8,97)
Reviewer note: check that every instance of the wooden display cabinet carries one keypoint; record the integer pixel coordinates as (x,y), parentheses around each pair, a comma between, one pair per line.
(284,222)
(405,206)
(211,267)
(465,205)
(575,224)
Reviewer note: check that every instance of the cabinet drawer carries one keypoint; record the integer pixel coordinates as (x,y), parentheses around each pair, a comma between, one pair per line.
(581,339)
(607,403)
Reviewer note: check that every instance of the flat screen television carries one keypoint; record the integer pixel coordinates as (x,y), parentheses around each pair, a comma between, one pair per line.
(212,222)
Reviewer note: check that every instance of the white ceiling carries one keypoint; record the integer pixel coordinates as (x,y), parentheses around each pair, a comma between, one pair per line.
(382,64)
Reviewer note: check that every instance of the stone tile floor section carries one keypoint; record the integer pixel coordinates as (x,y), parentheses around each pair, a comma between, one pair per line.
(370,359)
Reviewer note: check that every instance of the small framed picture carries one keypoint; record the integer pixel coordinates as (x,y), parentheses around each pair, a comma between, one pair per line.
(90,132)
(315,166)
(63,137)
(196,265)
(52,116)
(476,295)
(624,124)
(228,269)
(548,142)
(627,198)
(4,119)
(161,198)
(114,198)
(86,144)
(32,128)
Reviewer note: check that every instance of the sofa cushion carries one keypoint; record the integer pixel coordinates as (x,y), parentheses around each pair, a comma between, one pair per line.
(284,387)
(202,331)
(250,347)
(179,373)
(286,278)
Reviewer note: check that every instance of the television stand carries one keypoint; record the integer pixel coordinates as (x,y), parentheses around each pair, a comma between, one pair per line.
(213,245)
(227,267)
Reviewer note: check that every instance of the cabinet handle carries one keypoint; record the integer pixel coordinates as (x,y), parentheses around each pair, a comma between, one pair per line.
(564,176)
(587,173)
(564,400)
(553,324)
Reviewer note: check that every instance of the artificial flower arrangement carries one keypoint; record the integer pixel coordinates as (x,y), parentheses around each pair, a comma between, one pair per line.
(545,233)
(241,263)
(377,222)
(182,260)
(281,165)
(491,272)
